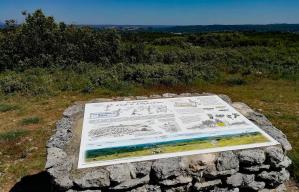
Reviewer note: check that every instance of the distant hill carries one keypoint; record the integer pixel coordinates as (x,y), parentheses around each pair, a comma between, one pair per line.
(196,28)
(256,28)
(204,28)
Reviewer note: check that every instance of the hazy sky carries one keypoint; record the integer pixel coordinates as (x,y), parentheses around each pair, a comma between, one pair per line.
(162,12)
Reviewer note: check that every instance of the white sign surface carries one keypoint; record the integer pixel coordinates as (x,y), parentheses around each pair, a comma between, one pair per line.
(127,131)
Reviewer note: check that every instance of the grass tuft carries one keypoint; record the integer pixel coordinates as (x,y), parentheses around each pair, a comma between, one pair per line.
(7,107)
(294,155)
(235,81)
(30,120)
(12,135)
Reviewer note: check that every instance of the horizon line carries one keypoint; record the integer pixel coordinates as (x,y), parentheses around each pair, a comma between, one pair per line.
(170,25)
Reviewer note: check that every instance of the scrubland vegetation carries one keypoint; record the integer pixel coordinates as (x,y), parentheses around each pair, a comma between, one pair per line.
(62,57)
(45,66)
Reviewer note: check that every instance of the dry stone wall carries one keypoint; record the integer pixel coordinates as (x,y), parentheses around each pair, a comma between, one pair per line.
(260,169)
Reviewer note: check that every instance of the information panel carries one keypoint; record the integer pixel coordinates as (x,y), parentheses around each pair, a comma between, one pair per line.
(137,130)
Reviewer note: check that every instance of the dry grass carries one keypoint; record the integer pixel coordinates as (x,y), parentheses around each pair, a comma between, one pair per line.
(23,145)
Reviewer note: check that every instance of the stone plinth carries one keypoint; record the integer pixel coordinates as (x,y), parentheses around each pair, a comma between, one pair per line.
(260,169)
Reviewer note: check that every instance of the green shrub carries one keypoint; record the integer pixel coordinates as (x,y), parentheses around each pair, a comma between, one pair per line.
(105,78)
(34,81)
(11,82)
